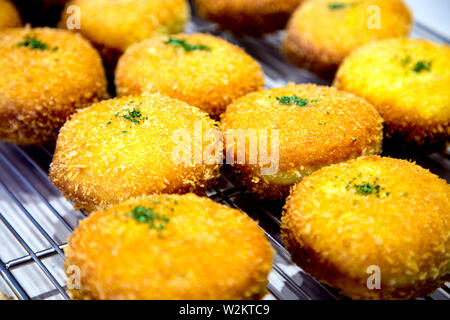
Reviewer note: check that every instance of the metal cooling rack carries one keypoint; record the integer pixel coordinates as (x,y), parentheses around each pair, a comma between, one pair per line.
(36,219)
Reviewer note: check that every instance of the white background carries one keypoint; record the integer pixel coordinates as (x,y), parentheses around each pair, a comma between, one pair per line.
(435,14)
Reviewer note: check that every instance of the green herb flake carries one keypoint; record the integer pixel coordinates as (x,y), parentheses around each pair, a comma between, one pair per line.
(422,66)
(368,188)
(133,115)
(124,131)
(341,5)
(153,219)
(405,61)
(186,46)
(417,67)
(289,100)
(31,41)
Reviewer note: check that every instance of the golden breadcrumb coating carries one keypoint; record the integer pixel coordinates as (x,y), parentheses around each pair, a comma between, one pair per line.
(333,126)
(204,250)
(371,211)
(408,81)
(208,78)
(103,158)
(9,16)
(45,75)
(248,16)
(321,33)
(120,23)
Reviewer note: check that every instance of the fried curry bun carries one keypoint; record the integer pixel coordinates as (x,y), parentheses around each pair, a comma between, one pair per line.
(131,146)
(248,16)
(169,247)
(200,69)
(292,131)
(45,75)
(321,33)
(408,81)
(374,228)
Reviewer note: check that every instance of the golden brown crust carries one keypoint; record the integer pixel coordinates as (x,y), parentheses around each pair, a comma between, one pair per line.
(319,38)
(101,158)
(205,251)
(39,89)
(335,126)
(335,229)
(248,16)
(304,54)
(208,79)
(415,105)
(118,24)
(9,16)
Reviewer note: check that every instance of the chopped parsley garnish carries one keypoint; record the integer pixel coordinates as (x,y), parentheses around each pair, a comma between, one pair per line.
(186,46)
(289,100)
(340,5)
(405,61)
(31,41)
(417,67)
(132,115)
(367,188)
(152,218)
(422,66)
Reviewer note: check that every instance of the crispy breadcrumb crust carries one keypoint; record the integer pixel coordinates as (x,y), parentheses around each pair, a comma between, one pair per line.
(39,89)
(415,105)
(248,16)
(206,251)
(337,127)
(102,159)
(9,16)
(208,79)
(334,233)
(118,24)
(319,38)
